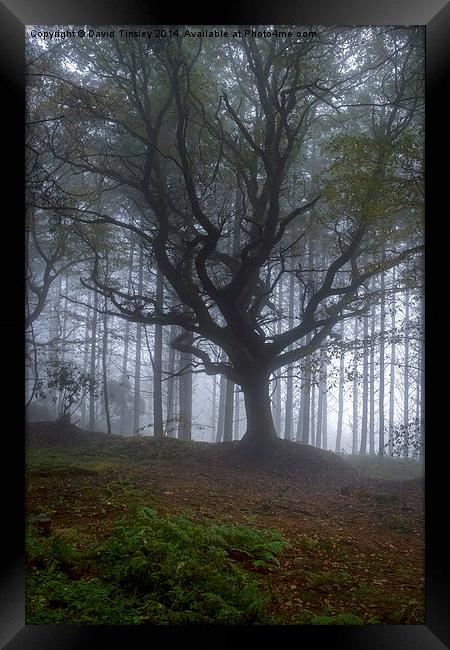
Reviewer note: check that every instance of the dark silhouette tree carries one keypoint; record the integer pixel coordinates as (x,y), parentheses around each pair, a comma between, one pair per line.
(175,126)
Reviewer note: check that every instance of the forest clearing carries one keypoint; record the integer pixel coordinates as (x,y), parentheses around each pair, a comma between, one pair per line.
(348,547)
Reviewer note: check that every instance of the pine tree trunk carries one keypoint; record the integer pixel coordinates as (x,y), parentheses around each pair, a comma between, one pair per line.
(290,369)
(185,395)
(365,388)
(381,443)
(338,443)
(355,392)
(214,408)
(422,368)
(228,415)
(221,415)
(104,367)
(84,422)
(313,406)
(236,428)
(93,363)
(306,414)
(392,372)
(372,383)
(171,370)
(325,405)
(319,428)
(124,423)
(158,425)
(406,381)
(277,396)
(137,371)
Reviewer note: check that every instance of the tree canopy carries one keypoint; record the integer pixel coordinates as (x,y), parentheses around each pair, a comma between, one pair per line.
(228,161)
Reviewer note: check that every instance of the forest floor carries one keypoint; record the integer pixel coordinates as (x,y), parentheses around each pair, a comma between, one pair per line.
(354,549)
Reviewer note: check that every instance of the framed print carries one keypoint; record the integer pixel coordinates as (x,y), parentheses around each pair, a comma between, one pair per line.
(232,236)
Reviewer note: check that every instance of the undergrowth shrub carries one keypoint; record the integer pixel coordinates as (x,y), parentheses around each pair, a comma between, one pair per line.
(153,570)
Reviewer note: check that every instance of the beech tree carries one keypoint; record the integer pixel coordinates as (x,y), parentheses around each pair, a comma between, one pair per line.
(205,145)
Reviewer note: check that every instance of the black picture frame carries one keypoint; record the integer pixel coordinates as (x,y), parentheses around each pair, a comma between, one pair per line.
(14,15)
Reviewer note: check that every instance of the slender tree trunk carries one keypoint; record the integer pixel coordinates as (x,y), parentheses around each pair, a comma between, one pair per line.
(372,382)
(406,381)
(422,369)
(236,428)
(417,400)
(306,415)
(289,382)
(381,449)
(277,407)
(365,388)
(170,426)
(301,398)
(158,425)
(86,360)
(214,408)
(137,371)
(392,372)
(62,309)
(221,417)
(338,443)
(319,428)
(176,398)
(93,363)
(355,393)
(185,393)
(124,424)
(305,411)
(325,404)
(104,367)
(313,405)
(124,421)
(228,414)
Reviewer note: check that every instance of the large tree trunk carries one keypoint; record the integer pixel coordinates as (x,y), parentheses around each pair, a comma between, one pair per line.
(261,434)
